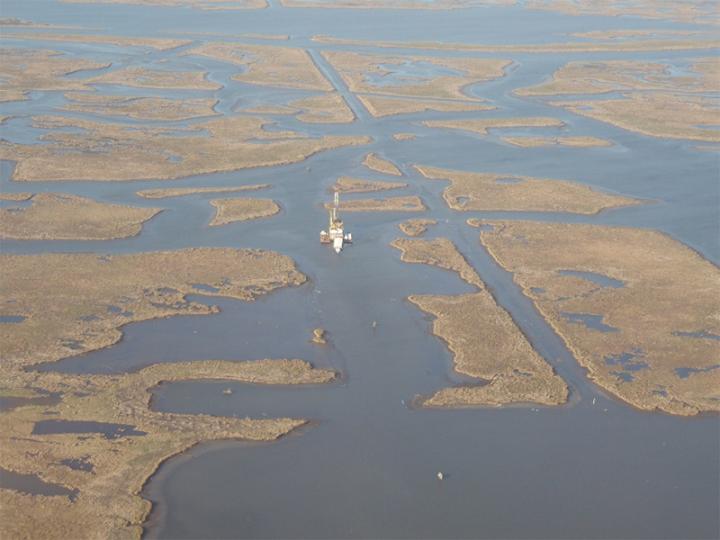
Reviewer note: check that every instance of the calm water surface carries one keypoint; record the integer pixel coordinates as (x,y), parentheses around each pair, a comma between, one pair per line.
(366,466)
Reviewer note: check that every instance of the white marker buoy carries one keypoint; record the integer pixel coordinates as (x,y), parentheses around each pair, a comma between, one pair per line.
(440,476)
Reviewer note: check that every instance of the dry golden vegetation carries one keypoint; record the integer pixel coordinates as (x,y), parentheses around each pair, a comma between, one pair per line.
(270,108)
(674,116)
(416,227)
(701,42)
(142,108)
(380,106)
(576,142)
(376,163)
(355,68)
(161,44)
(634,34)
(268,65)
(648,334)
(485,342)
(319,336)
(182,192)
(232,210)
(439,252)
(626,75)
(507,192)
(155,78)
(25,70)
(686,11)
(328,108)
(73,303)
(57,216)
(345,184)
(654,100)
(105,151)
(22,196)
(120,466)
(410,203)
(483,125)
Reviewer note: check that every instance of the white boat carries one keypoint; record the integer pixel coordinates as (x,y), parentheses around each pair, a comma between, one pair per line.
(335,234)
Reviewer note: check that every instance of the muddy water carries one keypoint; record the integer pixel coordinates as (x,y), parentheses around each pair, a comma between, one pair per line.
(367,466)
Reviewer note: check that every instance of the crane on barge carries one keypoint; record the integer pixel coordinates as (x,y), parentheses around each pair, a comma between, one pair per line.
(335,234)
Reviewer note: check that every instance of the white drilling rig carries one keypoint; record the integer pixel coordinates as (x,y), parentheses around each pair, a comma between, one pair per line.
(335,234)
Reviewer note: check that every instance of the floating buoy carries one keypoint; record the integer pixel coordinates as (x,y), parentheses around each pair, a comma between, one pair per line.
(440,475)
(227,391)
